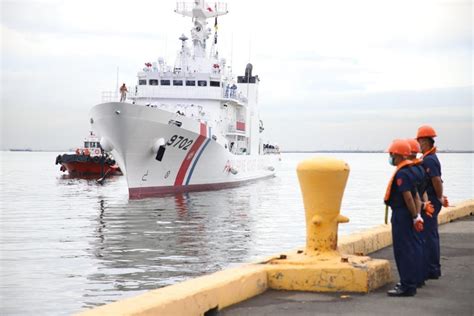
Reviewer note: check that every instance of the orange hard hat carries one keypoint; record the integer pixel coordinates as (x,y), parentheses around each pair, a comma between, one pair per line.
(426,131)
(414,146)
(400,147)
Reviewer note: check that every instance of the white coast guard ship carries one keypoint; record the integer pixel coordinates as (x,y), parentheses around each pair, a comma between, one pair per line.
(190,127)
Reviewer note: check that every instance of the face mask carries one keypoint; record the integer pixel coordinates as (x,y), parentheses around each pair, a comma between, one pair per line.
(391,160)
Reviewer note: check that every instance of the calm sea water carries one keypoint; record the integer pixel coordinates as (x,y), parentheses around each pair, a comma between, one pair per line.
(70,244)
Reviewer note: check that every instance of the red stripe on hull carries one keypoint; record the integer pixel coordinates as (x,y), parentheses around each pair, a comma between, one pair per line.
(190,155)
(140,193)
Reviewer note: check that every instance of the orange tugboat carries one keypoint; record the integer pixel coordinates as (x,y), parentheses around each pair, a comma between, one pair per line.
(89,160)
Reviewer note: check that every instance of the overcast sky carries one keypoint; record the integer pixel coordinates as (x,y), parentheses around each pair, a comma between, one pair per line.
(334,74)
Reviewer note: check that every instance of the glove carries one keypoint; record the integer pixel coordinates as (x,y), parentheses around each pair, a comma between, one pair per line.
(418,223)
(445,201)
(428,208)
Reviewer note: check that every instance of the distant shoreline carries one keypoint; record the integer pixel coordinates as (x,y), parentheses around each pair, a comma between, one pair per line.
(284,151)
(365,151)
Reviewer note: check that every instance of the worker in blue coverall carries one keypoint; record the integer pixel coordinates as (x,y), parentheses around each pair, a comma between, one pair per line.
(402,197)
(426,208)
(425,137)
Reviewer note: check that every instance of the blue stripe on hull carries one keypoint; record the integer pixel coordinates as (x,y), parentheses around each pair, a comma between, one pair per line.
(198,156)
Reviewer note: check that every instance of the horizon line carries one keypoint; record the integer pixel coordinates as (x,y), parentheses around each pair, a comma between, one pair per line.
(467,151)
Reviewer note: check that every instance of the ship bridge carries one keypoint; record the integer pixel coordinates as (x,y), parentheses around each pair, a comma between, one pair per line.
(200,84)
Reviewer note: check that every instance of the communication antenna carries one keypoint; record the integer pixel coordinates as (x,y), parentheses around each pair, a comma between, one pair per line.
(166,46)
(117,82)
(250,47)
(250,54)
(231,53)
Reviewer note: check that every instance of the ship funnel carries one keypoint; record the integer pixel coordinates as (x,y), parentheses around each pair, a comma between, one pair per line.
(248,70)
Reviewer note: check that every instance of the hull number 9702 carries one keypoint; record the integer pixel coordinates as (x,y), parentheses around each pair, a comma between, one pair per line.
(180,142)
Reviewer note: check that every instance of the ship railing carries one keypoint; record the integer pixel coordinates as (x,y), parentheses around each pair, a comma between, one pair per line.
(229,93)
(110,96)
(235,128)
(186,8)
(165,92)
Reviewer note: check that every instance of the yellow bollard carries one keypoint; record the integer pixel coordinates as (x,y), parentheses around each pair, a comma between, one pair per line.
(320,267)
(322,183)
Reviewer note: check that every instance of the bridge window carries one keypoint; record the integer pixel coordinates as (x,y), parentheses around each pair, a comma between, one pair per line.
(190,83)
(142,82)
(165,82)
(153,82)
(177,82)
(202,83)
(215,83)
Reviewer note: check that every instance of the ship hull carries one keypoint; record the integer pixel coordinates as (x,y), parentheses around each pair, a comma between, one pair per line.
(144,192)
(86,165)
(89,168)
(191,156)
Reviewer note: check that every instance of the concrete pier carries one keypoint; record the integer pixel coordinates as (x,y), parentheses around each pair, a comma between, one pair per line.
(221,290)
(325,264)
(449,295)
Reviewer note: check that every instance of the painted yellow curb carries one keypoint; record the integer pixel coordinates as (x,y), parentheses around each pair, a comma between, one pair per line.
(368,241)
(460,210)
(193,297)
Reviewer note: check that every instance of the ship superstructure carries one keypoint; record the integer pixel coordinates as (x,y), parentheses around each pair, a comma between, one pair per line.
(191,126)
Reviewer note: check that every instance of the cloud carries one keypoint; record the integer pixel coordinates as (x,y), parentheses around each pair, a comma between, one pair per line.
(336,74)
(369,121)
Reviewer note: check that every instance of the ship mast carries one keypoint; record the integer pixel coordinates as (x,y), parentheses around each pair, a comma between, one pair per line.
(200,11)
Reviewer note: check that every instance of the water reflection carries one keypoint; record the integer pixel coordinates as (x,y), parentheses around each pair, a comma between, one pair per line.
(89,178)
(145,244)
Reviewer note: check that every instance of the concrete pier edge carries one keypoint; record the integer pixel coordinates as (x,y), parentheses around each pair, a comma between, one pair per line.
(228,287)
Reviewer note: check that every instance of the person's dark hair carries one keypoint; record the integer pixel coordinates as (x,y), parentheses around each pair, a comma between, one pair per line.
(431,141)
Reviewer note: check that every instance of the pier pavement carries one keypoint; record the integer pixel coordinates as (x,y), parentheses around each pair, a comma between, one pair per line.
(452,294)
